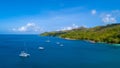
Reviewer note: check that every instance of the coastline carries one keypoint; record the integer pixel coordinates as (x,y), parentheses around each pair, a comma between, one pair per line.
(116,44)
(69,39)
(91,41)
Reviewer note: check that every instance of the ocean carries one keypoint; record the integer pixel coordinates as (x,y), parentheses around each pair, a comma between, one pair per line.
(73,53)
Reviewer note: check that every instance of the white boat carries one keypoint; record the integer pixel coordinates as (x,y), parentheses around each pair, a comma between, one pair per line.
(41,48)
(24,54)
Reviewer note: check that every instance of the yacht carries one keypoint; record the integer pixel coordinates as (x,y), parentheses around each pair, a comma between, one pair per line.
(24,54)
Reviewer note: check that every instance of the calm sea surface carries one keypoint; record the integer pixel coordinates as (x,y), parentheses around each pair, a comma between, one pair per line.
(74,53)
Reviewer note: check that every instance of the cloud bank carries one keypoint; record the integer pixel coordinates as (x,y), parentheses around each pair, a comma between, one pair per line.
(110,17)
(69,27)
(29,27)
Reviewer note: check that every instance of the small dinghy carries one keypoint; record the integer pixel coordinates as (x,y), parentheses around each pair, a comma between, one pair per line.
(41,48)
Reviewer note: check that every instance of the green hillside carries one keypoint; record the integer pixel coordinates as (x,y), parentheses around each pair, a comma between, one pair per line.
(108,34)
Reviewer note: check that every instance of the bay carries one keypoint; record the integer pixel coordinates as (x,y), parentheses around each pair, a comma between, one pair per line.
(74,53)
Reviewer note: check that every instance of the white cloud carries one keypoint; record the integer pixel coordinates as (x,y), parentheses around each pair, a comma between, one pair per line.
(29,27)
(69,27)
(74,26)
(108,18)
(22,29)
(93,12)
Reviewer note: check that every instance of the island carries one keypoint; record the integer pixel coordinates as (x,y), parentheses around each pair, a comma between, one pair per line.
(105,34)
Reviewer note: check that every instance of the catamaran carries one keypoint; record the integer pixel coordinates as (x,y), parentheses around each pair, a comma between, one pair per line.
(24,54)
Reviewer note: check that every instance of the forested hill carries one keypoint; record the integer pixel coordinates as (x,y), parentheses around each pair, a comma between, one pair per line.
(108,34)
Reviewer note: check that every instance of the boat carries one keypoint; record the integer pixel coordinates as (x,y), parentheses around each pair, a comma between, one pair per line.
(41,48)
(24,54)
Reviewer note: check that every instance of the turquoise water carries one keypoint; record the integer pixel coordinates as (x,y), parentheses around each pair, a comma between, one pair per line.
(74,53)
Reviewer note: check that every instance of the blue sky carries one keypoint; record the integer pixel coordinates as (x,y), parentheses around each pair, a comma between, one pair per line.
(37,16)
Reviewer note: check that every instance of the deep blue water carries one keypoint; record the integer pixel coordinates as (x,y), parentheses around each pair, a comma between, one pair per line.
(74,53)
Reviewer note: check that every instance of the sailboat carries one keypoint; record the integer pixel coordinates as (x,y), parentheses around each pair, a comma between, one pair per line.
(24,54)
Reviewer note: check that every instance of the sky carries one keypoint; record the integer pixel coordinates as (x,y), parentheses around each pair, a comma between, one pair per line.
(38,16)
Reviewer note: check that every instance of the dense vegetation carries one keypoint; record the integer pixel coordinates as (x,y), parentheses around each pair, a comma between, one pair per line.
(108,34)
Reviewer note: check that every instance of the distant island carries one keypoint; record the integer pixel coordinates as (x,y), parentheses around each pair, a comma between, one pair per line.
(103,34)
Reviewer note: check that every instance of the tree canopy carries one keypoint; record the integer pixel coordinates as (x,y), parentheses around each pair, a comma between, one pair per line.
(108,34)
